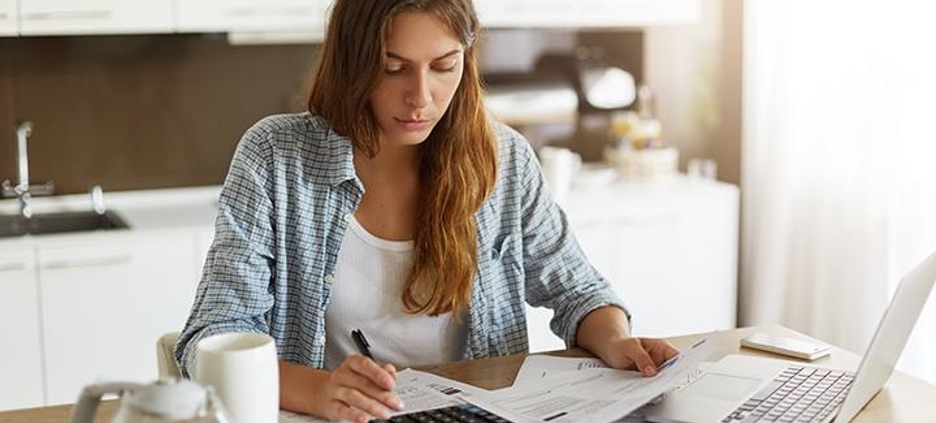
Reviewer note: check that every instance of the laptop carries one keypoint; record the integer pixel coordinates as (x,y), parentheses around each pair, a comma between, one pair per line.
(757,389)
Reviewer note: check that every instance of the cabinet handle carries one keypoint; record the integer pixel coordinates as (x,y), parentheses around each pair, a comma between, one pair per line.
(95,15)
(12,266)
(248,12)
(88,262)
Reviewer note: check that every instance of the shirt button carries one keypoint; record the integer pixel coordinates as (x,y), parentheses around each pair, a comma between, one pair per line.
(347,217)
(322,340)
(329,278)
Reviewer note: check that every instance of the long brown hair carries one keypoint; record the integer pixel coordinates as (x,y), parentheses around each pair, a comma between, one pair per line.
(459,158)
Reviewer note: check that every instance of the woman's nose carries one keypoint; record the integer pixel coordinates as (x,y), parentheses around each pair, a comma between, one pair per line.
(418,93)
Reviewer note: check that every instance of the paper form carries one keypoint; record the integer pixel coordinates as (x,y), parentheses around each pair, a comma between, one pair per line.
(582,391)
(596,395)
(418,390)
(535,368)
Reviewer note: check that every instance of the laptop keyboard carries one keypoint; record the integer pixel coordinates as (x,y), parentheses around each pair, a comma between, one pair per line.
(798,395)
(464,413)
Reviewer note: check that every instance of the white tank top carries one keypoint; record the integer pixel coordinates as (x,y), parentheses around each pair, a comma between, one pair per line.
(366,295)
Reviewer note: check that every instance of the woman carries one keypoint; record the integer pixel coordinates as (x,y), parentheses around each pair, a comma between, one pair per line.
(397,208)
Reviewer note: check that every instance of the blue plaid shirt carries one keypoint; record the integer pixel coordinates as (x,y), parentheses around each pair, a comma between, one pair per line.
(283,212)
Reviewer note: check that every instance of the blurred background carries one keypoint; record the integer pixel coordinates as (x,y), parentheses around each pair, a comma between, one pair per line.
(165,108)
(817,112)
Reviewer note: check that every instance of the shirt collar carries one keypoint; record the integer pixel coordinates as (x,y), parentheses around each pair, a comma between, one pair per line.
(339,154)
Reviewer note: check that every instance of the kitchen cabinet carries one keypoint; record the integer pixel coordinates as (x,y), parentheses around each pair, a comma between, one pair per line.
(251,15)
(83,17)
(9,17)
(586,13)
(105,299)
(21,362)
(669,249)
(76,308)
(79,17)
(90,306)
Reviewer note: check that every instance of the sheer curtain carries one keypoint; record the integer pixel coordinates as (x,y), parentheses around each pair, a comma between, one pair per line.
(839,166)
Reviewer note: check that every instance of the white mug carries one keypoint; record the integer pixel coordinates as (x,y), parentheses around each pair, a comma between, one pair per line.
(244,372)
(560,167)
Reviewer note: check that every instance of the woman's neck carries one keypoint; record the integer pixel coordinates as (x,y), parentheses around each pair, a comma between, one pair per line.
(390,163)
(391,192)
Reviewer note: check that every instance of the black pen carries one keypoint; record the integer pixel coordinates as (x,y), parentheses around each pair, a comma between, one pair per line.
(362,345)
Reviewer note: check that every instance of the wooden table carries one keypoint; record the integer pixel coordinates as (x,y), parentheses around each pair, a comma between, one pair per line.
(904,398)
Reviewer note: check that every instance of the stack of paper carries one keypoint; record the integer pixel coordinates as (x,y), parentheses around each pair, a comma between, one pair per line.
(552,389)
(562,389)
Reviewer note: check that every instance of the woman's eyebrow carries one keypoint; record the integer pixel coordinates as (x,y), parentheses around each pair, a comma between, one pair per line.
(451,53)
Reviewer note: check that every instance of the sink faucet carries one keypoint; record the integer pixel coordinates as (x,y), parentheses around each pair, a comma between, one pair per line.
(23,190)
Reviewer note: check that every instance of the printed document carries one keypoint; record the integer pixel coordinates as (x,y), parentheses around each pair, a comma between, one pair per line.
(552,389)
(418,390)
(535,368)
(596,395)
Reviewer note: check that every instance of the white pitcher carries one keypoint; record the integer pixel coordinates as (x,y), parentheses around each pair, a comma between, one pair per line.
(165,401)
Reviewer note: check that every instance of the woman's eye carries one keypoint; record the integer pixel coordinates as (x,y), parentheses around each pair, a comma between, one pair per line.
(447,66)
(393,68)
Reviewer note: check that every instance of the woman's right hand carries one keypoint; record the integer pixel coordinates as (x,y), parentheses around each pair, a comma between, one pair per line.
(360,390)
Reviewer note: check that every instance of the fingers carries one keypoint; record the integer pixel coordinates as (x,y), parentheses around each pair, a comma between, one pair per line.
(382,377)
(660,350)
(360,405)
(392,370)
(361,390)
(340,411)
(628,353)
(643,353)
(371,379)
(635,351)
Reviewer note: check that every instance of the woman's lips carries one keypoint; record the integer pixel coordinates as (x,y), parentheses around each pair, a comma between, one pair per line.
(414,125)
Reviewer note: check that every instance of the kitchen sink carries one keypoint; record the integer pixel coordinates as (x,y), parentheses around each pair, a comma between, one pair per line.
(54,223)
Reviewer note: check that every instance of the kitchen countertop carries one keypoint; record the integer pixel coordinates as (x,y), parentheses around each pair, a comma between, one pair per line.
(196,207)
(144,210)
(640,200)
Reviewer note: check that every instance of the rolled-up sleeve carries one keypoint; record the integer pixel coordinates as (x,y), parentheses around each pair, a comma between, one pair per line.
(234,294)
(558,275)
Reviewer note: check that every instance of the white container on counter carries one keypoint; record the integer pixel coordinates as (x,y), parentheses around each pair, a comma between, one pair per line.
(648,163)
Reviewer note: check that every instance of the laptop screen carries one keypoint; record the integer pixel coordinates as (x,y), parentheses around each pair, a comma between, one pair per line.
(891,337)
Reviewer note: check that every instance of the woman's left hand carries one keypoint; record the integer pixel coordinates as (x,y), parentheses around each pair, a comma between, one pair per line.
(606,333)
(644,354)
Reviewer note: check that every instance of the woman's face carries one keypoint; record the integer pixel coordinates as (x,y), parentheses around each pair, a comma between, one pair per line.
(422,70)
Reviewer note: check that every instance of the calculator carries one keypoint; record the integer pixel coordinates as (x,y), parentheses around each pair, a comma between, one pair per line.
(463,413)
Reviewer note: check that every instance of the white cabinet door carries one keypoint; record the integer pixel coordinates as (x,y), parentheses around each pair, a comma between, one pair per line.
(673,259)
(9,17)
(251,15)
(68,17)
(105,303)
(586,13)
(21,362)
